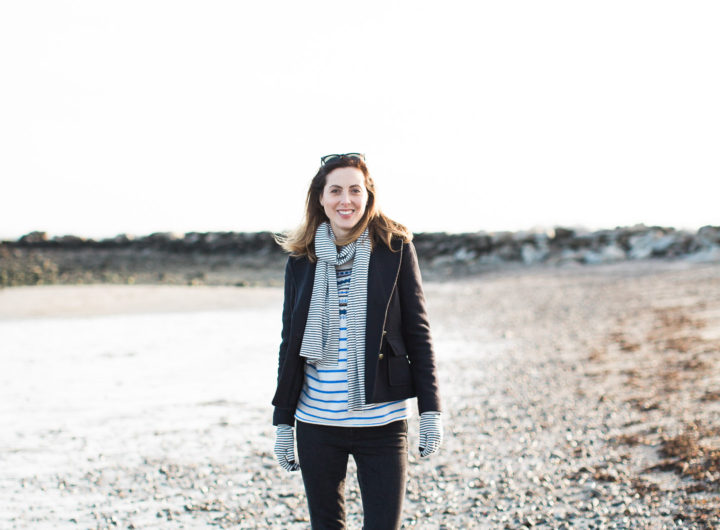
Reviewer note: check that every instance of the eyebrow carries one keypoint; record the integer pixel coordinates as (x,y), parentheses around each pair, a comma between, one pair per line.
(339,186)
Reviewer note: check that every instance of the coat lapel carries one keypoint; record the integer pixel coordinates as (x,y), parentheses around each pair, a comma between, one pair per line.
(304,280)
(382,274)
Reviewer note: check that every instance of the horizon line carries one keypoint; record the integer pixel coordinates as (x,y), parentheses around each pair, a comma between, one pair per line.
(536,229)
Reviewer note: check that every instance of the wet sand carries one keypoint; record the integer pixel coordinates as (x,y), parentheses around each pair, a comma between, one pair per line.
(574,397)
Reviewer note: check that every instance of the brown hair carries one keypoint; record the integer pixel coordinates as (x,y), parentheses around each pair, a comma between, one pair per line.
(301,241)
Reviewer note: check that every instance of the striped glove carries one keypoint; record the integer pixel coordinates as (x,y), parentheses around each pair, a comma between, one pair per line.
(285,448)
(430,432)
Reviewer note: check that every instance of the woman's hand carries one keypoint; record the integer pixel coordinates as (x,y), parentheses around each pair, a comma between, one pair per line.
(285,448)
(430,432)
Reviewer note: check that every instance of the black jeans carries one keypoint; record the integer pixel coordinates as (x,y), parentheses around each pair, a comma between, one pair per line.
(380,454)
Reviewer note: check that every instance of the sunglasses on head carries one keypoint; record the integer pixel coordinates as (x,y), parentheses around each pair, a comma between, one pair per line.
(332,158)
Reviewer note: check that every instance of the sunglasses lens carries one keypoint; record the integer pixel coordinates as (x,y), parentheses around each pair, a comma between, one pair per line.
(331,158)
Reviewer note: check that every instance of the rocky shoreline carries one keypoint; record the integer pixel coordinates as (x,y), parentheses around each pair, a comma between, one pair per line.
(240,259)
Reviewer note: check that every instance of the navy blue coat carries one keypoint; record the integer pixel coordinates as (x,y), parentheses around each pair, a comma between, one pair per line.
(399,357)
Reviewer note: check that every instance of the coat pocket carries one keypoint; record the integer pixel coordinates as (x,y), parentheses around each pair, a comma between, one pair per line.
(398,362)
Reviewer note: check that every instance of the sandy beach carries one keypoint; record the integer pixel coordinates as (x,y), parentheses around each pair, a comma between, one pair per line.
(574,397)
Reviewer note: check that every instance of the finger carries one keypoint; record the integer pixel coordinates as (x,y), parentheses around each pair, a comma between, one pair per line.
(290,456)
(430,449)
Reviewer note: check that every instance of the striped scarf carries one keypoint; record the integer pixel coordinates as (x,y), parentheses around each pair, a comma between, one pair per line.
(320,341)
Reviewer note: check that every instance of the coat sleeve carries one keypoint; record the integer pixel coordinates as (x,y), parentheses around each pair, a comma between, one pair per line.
(416,332)
(283,415)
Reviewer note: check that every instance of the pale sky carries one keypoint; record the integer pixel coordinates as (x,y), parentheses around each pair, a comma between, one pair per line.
(144,116)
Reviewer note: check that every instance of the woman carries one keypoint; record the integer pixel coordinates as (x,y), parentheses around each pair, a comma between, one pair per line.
(355,347)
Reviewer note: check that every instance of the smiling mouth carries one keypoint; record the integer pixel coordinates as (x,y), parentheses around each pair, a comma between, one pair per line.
(345,212)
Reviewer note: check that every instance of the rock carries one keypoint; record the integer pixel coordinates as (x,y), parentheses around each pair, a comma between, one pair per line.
(464,255)
(709,236)
(608,254)
(119,240)
(560,234)
(69,241)
(654,242)
(705,255)
(33,238)
(532,254)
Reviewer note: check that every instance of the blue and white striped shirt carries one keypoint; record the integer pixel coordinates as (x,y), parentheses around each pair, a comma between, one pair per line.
(324,397)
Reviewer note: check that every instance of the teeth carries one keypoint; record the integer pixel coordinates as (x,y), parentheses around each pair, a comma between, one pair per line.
(345,212)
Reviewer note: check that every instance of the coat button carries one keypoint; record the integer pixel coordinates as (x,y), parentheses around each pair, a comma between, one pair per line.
(384,332)
(380,356)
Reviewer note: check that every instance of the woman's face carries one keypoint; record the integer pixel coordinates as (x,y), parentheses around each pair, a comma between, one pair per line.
(344,199)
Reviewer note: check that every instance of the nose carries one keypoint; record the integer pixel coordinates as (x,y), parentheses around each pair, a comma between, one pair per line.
(345,198)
